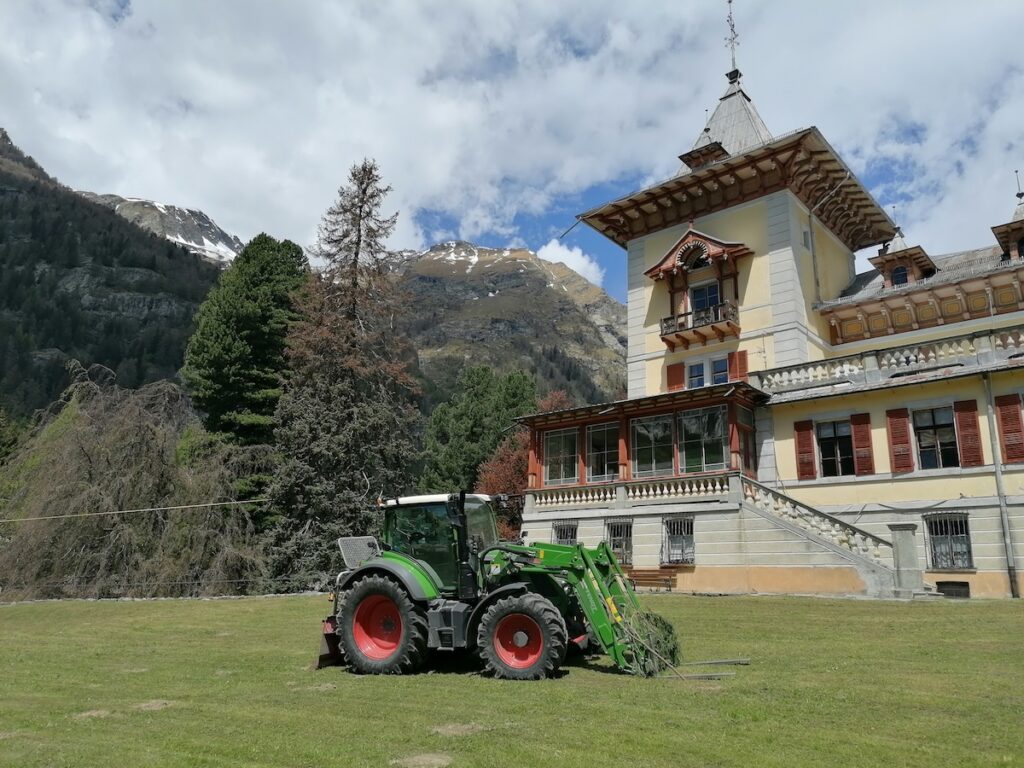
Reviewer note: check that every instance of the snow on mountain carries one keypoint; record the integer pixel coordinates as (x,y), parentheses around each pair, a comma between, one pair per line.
(186,226)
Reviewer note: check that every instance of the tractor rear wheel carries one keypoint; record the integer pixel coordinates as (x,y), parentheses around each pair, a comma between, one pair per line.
(522,638)
(382,631)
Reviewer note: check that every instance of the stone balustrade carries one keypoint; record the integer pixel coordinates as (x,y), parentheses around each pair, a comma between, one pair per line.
(635,492)
(972,350)
(818,523)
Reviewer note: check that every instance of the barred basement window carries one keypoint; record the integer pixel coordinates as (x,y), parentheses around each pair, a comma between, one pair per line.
(620,538)
(949,542)
(679,548)
(564,532)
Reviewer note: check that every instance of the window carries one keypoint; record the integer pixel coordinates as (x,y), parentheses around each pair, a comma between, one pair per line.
(561,457)
(717,368)
(652,446)
(704,296)
(620,539)
(835,444)
(702,440)
(564,532)
(602,453)
(424,532)
(949,542)
(678,541)
(748,447)
(900,276)
(936,438)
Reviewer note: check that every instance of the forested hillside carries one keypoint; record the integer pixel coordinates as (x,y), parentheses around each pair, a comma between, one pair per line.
(78,281)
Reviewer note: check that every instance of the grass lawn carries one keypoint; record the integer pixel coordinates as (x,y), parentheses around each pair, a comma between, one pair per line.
(226,682)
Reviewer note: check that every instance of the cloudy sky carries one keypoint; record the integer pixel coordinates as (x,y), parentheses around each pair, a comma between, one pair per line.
(497,122)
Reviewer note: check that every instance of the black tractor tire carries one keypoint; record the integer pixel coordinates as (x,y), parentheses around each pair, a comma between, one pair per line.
(383,632)
(522,637)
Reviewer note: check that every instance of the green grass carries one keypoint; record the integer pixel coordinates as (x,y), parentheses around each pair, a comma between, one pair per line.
(838,683)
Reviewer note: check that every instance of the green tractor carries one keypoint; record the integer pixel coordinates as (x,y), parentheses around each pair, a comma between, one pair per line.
(441,580)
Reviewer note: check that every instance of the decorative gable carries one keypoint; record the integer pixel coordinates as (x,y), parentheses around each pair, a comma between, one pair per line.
(696,250)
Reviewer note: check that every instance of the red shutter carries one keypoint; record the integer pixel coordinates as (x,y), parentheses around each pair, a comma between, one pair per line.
(968,436)
(1011,429)
(863,457)
(738,365)
(901,452)
(676,375)
(804,434)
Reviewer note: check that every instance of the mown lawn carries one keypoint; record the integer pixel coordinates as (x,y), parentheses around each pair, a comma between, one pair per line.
(226,682)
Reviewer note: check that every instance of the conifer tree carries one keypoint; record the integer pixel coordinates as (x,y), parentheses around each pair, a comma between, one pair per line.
(235,359)
(465,431)
(347,424)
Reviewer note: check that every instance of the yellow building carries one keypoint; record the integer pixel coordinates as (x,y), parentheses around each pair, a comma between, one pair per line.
(792,426)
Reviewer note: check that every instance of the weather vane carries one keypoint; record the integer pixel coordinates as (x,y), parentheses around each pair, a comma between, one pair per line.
(733,39)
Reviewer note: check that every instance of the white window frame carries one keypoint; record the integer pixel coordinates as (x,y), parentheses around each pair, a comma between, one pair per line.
(574,480)
(634,467)
(707,364)
(609,477)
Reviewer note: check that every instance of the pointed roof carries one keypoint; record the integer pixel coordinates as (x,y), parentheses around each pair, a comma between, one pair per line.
(735,124)
(694,240)
(1007,234)
(898,249)
(1018,212)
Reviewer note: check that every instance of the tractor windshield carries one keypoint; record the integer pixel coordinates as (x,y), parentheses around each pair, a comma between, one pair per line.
(425,532)
(481,527)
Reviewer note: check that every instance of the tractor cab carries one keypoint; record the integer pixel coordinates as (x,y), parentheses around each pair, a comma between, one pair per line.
(441,531)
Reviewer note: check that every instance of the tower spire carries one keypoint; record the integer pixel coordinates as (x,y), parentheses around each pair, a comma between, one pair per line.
(733,39)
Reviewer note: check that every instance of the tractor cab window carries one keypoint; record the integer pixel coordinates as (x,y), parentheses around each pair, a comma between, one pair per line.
(424,532)
(482,530)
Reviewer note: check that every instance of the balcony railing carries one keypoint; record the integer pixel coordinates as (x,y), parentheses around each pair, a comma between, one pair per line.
(719,320)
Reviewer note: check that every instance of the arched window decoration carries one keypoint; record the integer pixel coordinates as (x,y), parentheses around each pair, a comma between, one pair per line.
(693,256)
(900,276)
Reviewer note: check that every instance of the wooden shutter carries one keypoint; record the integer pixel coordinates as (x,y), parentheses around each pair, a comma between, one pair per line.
(738,365)
(676,375)
(863,456)
(968,436)
(901,451)
(804,439)
(1011,428)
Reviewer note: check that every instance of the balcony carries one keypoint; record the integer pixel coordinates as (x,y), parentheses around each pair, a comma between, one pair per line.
(701,326)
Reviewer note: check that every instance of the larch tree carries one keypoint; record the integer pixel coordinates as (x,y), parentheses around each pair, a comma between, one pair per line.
(347,424)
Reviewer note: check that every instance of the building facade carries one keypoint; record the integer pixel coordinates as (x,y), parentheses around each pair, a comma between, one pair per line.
(791,425)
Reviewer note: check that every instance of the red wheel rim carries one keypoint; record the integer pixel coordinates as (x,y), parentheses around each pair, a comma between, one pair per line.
(518,641)
(377,627)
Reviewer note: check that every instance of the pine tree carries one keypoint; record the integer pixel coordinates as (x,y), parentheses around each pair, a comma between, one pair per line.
(463,432)
(347,423)
(235,359)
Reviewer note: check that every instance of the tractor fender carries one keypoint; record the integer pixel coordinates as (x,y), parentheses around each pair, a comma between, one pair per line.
(515,588)
(387,568)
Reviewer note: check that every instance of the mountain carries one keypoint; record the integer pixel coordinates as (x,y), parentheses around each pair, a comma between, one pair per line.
(508,308)
(187,227)
(79,281)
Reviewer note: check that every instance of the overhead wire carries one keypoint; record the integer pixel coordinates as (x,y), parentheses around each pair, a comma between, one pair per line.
(133,511)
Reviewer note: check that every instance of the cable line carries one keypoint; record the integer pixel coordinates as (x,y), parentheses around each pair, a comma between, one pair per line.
(132,511)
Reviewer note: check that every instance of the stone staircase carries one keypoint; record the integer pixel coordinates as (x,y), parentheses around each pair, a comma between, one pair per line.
(871,555)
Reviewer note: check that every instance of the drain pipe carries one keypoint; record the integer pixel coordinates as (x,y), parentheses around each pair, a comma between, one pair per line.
(997,459)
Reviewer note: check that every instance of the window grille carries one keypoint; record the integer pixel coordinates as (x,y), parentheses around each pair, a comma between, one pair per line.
(679,547)
(564,532)
(949,542)
(619,534)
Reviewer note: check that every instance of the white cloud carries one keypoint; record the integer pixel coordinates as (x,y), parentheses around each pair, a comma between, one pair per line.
(574,258)
(253,110)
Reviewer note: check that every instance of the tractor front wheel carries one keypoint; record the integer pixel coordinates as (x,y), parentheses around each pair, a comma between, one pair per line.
(522,638)
(382,630)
